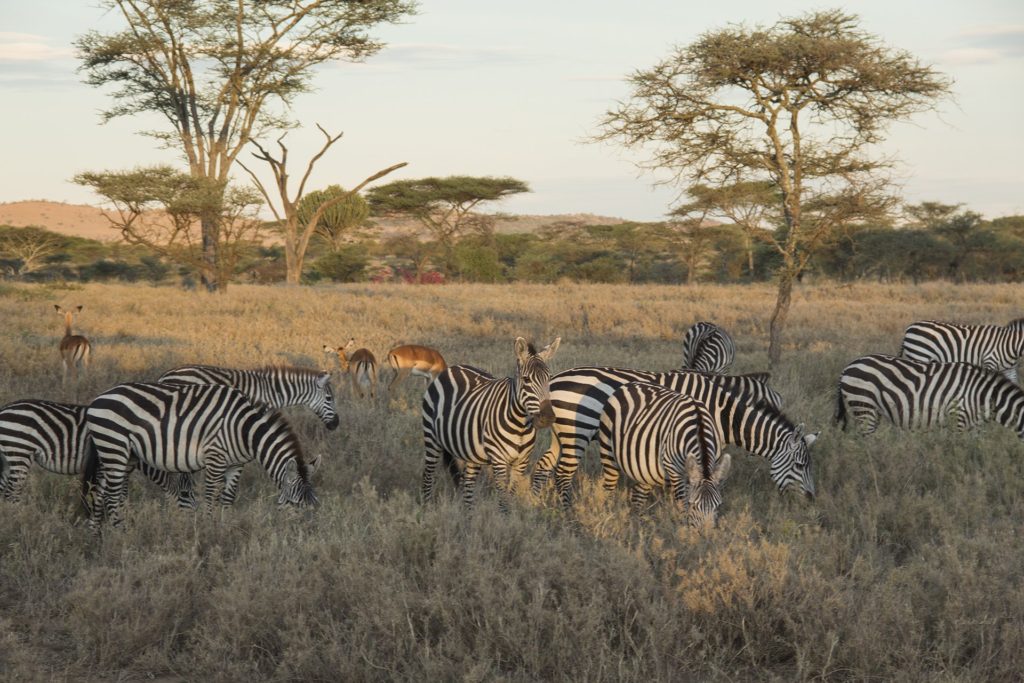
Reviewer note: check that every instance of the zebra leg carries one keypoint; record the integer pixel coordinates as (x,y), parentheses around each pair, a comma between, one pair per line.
(500,471)
(15,471)
(565,472)
(545,464)
(679,482)
(113,491)
(609,470)
(432,454)
(638,496)
(469,483)
(231,477)
(213,485)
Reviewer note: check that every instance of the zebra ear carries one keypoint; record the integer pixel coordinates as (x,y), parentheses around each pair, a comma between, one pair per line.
(323,379)
(314,464)
(721,470)
(548,351)
(291,470)
(522,350)
(798,431)
(811,438)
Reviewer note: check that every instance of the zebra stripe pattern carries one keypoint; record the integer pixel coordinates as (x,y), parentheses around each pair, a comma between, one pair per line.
(476,419)
(655,435)
(911,394)
(187,429)
(276,387)
(991,347)
(53,435)
(708,348)
(578,397)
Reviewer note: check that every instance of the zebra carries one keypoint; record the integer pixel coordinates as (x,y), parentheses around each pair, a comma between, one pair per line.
(913,394)
(654,435)
(991,347)
(53,435)
(578,397)
(185,429)
(274,386)
(475,419)
(708,348)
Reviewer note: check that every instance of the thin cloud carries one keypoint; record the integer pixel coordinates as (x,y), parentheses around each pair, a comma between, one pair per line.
(988,45)
(446,56)
(26,47)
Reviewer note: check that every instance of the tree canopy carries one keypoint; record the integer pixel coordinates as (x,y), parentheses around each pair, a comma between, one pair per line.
(799,104)
(222,72)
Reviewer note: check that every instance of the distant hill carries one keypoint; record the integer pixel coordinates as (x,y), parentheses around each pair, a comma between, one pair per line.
(81,220)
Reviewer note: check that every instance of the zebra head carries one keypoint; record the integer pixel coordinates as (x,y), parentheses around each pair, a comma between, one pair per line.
(791,462)
(705,494)
(533,379)
(323,401)
(295,487)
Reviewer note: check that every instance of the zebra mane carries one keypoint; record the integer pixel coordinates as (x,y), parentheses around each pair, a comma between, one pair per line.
(531,349)
(291,369)
(762,377)
(1017,324)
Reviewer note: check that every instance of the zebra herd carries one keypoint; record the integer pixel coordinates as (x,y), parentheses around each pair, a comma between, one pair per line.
(657,429)
(962,374)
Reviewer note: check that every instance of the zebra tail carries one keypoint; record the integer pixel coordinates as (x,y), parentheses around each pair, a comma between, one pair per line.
(840,414)
(90,477)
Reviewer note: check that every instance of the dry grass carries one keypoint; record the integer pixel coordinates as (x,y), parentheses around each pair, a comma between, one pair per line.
(908,566)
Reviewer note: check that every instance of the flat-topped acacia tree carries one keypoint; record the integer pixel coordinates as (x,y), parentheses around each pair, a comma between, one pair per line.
(444,207)
(799,105)
(223,72)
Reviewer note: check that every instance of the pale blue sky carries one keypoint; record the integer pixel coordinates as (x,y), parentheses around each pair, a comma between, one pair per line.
(482,88)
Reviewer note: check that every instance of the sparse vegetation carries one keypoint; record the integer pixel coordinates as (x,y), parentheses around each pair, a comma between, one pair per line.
(907,566)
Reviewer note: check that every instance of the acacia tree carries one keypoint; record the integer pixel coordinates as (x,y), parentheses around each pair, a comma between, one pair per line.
(297,227)
(750,205)
(443,206)
(29,248)
(799,105)
(214,69)
(162,208)
(340,220)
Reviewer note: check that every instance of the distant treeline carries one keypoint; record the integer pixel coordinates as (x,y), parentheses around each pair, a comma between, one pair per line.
(961,248)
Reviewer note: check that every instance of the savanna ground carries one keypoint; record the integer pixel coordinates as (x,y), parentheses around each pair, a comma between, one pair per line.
(908,566)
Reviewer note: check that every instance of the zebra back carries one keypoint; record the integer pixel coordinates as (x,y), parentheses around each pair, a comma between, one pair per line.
(914,394)
(708,348)
(988,346)
(275,386)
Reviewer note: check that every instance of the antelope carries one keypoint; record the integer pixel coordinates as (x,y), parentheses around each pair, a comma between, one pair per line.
(74,348)
(361,366)
(412,359)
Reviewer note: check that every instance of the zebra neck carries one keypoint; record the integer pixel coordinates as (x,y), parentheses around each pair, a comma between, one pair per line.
(515,413)
(270,389)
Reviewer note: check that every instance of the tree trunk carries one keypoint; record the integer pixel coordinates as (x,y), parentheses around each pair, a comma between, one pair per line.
(750,257)
(778,321)
(208,272)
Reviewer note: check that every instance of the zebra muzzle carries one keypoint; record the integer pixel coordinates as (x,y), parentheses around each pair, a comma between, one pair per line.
(546,416)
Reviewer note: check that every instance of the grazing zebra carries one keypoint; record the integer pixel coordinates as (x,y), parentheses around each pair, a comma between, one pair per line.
(655,435)
(991,347)
(476,419)
(186,429)
(578,397)
(275,386)
(53,435)
(74,348)
(708,348)
(912,394)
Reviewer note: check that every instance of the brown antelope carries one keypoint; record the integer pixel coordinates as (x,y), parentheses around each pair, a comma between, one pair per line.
(74,348)
(412,359)
(361,366)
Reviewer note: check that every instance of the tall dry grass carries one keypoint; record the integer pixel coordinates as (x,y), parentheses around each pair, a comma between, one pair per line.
(908,565)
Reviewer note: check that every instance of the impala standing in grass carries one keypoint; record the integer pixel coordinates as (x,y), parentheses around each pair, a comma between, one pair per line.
(361,366)
(412,359)
(74,348)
